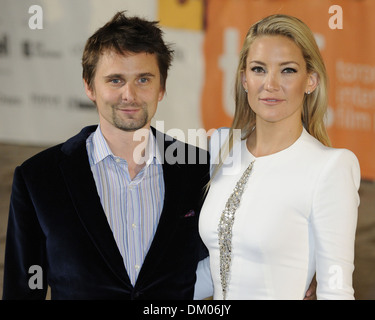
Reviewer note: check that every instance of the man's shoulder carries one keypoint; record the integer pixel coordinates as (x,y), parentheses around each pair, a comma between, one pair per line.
(51,154)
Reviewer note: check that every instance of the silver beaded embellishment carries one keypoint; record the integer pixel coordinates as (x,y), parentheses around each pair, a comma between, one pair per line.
(225,228)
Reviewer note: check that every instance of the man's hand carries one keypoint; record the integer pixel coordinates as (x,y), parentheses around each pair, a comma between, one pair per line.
(311,291)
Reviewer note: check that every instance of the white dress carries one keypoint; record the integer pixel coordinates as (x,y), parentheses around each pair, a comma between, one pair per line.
(298,216)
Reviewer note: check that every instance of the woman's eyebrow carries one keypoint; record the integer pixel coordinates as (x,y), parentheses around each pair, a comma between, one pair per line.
(281,63)
(289,62)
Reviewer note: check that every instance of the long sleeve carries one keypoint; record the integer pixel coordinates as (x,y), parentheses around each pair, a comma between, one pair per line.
(24,245)
(334,221)
(298,217)
(204,285)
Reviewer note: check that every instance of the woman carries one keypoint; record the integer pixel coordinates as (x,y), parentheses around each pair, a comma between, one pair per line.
(290,210)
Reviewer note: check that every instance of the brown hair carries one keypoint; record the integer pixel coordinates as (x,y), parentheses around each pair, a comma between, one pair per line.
(126,34)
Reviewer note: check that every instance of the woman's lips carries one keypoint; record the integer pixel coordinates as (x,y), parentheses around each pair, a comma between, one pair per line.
(271,101)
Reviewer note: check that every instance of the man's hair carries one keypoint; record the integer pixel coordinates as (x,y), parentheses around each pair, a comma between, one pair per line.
(126,34)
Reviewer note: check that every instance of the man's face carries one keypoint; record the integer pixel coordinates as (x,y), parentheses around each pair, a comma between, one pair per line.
(126,90)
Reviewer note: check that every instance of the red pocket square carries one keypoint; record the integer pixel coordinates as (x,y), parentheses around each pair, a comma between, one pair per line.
(191,213)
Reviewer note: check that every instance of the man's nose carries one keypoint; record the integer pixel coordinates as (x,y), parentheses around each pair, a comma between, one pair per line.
(128,92)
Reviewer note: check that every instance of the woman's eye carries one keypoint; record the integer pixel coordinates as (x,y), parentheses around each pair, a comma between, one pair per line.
(289,70)
(257,69)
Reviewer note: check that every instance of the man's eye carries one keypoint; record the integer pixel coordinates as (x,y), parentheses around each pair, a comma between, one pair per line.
(257,69)
(115,81)
(143,80)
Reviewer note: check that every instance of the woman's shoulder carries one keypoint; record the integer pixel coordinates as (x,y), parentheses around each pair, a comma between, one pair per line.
(328,156)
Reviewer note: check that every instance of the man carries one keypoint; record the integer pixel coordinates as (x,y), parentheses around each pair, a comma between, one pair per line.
(111,213)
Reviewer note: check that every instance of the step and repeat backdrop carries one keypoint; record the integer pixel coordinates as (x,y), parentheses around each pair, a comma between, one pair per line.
(42,99)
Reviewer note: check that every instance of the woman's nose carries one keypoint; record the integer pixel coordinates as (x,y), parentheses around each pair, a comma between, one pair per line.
(272,82)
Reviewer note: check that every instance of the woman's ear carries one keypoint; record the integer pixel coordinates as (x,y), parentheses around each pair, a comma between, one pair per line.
(243,80)
(312,82)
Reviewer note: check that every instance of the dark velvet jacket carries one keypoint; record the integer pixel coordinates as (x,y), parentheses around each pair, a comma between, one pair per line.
(56,221)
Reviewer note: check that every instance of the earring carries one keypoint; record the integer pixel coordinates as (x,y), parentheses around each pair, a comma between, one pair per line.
(246,90)
(308,92)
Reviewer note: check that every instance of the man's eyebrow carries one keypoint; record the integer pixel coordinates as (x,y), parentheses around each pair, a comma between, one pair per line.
(146,74)
(113,75)
(121,76)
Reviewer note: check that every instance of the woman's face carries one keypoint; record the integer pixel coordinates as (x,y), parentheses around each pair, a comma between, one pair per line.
(277,80)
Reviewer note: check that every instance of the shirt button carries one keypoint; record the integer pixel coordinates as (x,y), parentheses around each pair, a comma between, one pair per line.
(137,267)
(117,160)
(134,225)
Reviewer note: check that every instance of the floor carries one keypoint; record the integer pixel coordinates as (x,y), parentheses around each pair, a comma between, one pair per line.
(364,274)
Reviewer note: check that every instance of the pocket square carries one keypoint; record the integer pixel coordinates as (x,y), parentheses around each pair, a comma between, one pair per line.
(191,213)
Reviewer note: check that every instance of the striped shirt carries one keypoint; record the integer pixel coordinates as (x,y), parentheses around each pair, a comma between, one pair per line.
(132,207)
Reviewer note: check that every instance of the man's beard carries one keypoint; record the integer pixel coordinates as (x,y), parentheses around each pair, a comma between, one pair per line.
(132,123)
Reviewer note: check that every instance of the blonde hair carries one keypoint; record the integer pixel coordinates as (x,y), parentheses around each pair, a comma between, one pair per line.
(314,104)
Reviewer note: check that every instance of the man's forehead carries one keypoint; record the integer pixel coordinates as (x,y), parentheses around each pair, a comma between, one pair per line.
(132,61)
(111,53)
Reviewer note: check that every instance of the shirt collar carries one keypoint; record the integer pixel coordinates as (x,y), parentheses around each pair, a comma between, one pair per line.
(101,149)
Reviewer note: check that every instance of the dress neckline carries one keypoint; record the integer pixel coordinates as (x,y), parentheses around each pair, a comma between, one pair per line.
(273,155)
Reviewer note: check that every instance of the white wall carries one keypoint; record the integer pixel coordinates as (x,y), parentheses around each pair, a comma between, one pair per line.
(42,100)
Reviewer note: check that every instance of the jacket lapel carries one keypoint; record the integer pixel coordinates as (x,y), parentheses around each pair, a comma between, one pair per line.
(81,185)
(168,218)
